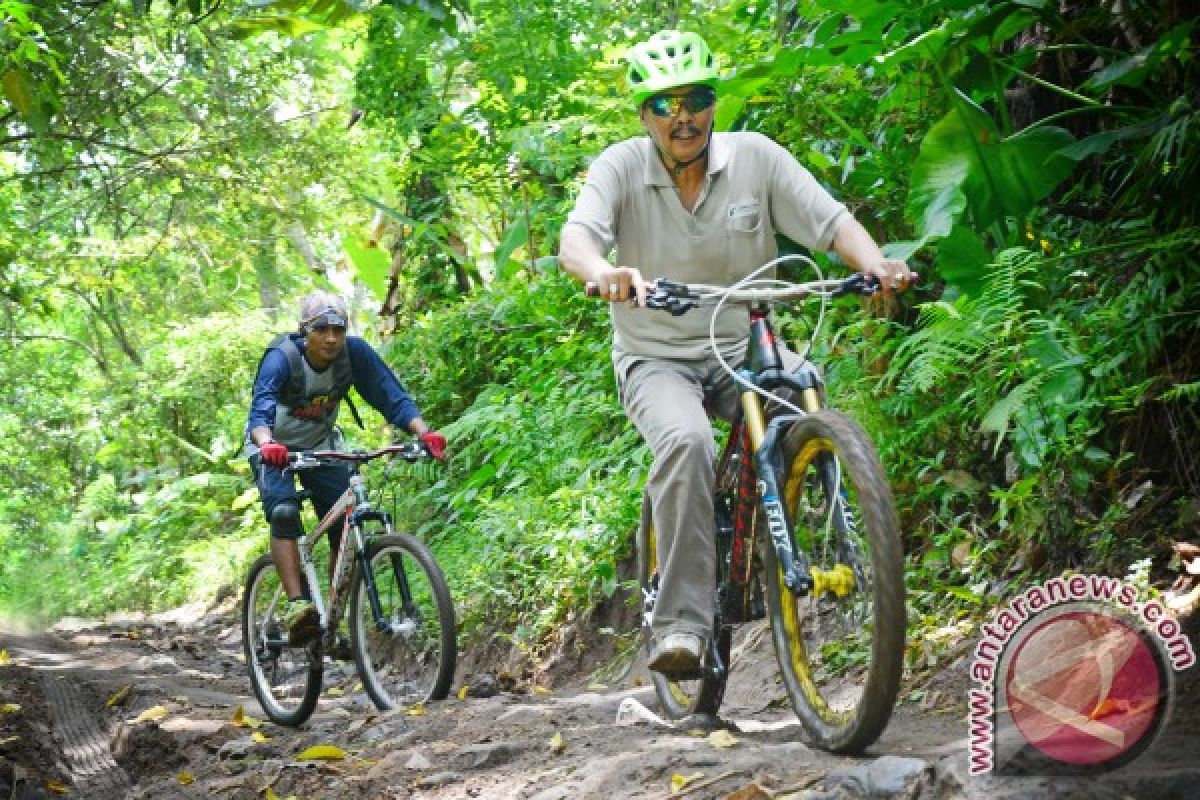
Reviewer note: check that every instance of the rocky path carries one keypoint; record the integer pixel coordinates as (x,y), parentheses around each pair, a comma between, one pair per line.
(160,707)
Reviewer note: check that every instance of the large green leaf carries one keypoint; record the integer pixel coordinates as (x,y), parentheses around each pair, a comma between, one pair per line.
(965,165)
(514,237)
(962,259)
(371,264)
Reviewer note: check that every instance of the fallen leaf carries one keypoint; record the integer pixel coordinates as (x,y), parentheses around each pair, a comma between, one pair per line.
(57,787)
(269,794)
(260,737)
(679,781)
(119,696)
(541,690)
(153,714)
(596,687)
(243,720)
(334,691)
(462,693)
(416,710)
(9,740)
(185,778)
(322,752)
(10,708)
(722,739)
(4,659)
(557,743)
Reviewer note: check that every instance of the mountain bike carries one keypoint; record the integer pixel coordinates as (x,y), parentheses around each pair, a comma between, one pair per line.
(401,619)
(806,534)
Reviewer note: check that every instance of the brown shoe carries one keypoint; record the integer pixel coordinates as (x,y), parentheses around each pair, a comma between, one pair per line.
(302,620)
(676,654)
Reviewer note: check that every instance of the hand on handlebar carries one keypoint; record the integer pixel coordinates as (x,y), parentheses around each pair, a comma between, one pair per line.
(893,274)
(435,443)
(615,284)
(274,454)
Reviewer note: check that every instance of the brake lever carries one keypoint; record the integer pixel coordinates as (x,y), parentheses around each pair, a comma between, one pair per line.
(859,283)
(672,297)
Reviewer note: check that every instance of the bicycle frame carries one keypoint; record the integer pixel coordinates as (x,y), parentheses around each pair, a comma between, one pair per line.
(351,509)
(758,479)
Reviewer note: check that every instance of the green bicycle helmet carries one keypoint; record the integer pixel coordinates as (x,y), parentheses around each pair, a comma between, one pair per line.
(667,60)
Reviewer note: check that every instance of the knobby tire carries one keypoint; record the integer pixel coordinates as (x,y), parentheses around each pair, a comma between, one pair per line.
(276,680)
(840,729)
(412,664)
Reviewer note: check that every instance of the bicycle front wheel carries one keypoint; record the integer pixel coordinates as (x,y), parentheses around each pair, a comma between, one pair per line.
(402,624)
(286,680)
(840,648)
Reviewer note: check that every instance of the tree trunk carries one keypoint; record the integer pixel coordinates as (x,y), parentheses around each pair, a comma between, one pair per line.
(299,238)
(266,270)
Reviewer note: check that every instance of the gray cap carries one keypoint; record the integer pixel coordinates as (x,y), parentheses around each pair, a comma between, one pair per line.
(321,308)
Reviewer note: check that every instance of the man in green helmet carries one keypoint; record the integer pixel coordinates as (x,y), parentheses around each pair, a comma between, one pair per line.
(691,205)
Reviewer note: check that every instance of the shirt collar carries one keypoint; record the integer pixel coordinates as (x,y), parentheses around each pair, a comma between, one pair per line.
(655,174)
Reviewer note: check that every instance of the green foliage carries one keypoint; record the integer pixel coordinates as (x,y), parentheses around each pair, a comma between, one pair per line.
(167,166)
(543,490)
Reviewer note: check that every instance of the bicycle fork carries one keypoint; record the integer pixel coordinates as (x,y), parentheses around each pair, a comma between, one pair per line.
(401,577)
(799,574)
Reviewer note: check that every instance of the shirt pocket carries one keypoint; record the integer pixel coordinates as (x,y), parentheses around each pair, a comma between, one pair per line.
(744,217)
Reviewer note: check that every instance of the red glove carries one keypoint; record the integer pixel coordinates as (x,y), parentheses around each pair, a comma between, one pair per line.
(274,454)
(435,443)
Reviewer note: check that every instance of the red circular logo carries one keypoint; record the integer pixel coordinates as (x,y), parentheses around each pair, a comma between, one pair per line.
(1084,688)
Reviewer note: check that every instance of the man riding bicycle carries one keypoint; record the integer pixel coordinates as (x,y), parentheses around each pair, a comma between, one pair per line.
(298,389)
(692,205)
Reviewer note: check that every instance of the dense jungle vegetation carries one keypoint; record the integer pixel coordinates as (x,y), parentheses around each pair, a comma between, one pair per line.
(174,174)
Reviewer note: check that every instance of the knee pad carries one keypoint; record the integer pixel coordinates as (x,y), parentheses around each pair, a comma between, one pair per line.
(285,521)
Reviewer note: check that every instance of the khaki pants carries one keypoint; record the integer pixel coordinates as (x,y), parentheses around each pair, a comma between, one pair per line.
(666,401)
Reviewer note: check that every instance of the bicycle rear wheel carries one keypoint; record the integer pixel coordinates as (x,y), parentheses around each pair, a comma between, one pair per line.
(286,680)
(406,654)
(840,650)
(678,698)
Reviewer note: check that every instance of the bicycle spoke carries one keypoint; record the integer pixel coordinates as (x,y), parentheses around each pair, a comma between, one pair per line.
(404,641)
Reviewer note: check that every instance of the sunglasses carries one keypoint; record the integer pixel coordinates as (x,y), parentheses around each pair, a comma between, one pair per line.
(696,100)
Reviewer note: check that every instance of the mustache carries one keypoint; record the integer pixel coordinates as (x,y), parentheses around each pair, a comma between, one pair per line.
(685,129)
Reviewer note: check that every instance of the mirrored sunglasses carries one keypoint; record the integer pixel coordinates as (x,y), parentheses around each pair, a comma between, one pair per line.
(695,101)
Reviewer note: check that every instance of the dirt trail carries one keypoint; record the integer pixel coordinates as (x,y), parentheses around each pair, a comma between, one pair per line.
(81,688)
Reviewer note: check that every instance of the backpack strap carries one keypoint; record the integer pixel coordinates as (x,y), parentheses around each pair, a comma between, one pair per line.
(293,390)
(343,379)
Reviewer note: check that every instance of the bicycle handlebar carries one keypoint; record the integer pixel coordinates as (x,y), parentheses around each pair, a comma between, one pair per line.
(678,298)
(307,459)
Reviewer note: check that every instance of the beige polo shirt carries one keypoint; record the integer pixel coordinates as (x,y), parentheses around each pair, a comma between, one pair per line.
(753,189)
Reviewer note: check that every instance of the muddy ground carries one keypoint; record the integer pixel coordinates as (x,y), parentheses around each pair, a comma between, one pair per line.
(74,723)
